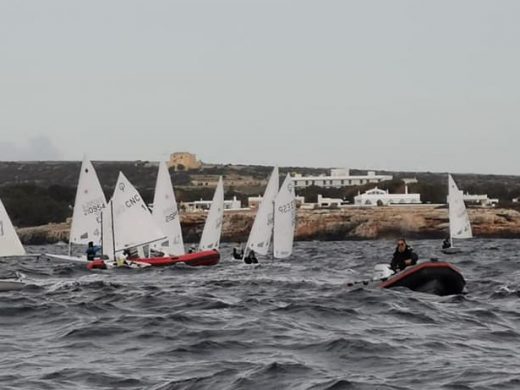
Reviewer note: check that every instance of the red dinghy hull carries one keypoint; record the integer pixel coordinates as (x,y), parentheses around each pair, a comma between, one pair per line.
(204,258)
(438,278)
(196,259)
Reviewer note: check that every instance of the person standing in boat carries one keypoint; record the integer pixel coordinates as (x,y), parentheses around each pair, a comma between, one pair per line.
(403,256)
(446,243)
(92,250)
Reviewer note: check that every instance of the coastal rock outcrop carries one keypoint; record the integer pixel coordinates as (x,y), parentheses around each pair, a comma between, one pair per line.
(351,223)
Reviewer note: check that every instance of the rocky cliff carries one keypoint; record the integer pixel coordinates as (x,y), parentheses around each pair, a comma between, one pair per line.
(340,224)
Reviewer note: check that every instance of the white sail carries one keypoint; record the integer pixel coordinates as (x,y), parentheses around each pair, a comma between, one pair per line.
(460,226)
(262,229)
(10,244)
(166,214)
(107,230)
(132,220)
(90,201)
(211,234)
(284,219)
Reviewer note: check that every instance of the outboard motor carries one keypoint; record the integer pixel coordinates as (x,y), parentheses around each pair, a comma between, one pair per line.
(382,271)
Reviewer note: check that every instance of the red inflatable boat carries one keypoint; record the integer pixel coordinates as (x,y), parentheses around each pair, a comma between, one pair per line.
(432,277)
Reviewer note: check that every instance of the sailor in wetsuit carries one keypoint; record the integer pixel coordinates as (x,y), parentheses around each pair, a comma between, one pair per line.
(238,252)
(131,253)
(403,256)
(251,258)
(92,250)
(446,243)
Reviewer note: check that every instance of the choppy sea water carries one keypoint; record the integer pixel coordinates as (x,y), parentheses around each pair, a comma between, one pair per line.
(284,324)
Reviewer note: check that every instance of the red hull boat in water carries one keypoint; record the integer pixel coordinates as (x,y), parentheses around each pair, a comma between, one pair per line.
(432,277)
(203,258)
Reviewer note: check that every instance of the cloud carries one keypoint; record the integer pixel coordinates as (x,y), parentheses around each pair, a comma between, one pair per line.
(36,148)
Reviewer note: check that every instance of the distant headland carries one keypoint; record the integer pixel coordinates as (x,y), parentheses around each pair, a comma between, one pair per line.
(39,197)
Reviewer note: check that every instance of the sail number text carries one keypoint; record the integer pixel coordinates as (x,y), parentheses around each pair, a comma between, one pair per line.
(170,217)
(93,209)
(285,208)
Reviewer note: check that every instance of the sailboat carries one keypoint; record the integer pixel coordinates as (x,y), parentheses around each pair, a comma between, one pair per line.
(262,229)
(210,239)
(284,219)
(86,217)
(460,226)
(166,214)
(10,246)
(129,224)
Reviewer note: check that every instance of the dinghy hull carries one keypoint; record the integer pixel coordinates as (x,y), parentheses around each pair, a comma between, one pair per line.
(204,258)
(438,278)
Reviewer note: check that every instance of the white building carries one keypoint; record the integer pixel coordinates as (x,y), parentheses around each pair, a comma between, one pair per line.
(483,200)
(204,205)
(339,177)
(331,202)
(377,196)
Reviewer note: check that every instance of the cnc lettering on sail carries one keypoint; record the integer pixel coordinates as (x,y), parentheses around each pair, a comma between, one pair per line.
(135,200)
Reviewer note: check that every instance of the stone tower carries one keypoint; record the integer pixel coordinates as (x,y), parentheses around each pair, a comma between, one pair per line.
(183,161)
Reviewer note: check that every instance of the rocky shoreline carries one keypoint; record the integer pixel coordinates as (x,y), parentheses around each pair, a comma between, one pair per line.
(352,223)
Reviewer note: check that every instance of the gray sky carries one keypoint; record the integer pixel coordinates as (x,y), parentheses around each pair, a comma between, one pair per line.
(384,84)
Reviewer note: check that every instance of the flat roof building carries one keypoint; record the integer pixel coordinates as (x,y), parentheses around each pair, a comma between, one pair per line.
(379,197)
(338,178)
(204,205)
(483,200)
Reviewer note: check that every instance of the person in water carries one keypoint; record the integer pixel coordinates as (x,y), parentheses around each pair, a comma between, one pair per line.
(92,250)
(403,256)
(446,243)
(251,258)
(238,252)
